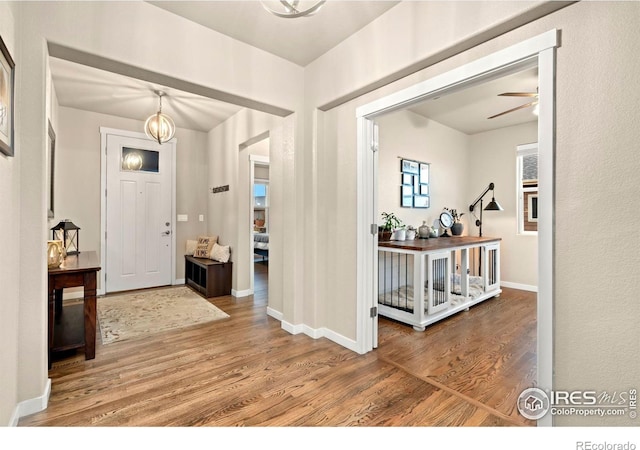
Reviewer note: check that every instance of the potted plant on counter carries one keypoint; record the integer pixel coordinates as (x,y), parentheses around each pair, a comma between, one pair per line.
(389,225)
(458,227)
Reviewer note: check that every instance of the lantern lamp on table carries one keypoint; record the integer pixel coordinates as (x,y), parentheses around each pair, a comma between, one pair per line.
(69,233)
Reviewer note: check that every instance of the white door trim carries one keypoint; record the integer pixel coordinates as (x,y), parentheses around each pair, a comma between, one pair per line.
(104,132)
(538,50)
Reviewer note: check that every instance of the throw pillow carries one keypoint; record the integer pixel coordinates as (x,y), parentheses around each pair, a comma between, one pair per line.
(205,244)
(191,247)
(220,253)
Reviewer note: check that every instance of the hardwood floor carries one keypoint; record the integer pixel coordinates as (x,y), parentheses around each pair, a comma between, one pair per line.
(486,355)
(465,371)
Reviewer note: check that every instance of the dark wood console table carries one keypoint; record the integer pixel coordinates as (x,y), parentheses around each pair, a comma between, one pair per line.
(73,326)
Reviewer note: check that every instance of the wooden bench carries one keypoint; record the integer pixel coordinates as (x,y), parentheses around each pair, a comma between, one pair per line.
(209,278)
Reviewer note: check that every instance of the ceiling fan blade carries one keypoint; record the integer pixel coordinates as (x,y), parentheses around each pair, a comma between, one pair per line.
(514,109)
(519,94)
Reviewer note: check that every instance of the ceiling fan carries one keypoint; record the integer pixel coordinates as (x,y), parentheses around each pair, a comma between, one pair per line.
(518,94)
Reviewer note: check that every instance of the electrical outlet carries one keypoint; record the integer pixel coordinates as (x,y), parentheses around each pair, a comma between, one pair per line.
(201,218)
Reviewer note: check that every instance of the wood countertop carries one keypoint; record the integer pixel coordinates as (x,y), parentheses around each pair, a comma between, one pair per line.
(81,262)
(439,243)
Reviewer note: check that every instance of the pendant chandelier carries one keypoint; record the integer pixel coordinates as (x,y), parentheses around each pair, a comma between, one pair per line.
(289,8)
(158,126)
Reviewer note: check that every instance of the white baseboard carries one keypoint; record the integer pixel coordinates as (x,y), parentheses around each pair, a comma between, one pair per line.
(275,314)
(31,406)
(341,340)
(179,281)
(522,287)
(244,293)
(291,328)
(317,333)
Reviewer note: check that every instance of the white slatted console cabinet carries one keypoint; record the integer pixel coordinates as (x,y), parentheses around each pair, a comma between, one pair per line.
(426,280)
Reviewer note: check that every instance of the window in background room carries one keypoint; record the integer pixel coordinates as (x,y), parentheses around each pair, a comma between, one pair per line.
(261,206)
(527,183)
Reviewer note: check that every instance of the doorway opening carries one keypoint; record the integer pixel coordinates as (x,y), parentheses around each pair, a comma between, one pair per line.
(476,277)
(259,205)
(537,52)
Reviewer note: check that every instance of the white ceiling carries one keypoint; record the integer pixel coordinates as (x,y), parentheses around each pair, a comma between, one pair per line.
(469,110)
(89,89)
(300,40)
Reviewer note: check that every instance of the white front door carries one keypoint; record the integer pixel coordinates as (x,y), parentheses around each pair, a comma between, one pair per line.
(139,226)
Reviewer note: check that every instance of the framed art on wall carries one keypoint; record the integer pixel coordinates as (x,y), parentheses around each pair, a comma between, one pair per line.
(424,173)
(421,201)
(414,189)
(7,76)
(409,166)
(406,199)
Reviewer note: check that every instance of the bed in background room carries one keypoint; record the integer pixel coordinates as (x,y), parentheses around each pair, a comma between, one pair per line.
(261,244)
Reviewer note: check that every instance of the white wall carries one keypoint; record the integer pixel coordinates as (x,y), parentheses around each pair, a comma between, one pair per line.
(31,120)
(412,136)
(129,32)
(229,212)
(260,148)
(595,331)
(596,173)
(403,40)
(78,165)
(9,273)
(336,229)
(262,172)
(132,32)
(192,189)
(492,159)
(410,36)
(462,166)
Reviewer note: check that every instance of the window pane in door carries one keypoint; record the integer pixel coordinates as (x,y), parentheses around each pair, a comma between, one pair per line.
(138,160)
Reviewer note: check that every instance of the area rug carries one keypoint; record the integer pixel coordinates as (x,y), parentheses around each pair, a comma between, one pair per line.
(140,314)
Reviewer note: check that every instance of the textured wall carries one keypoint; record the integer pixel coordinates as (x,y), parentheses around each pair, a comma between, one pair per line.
(229,212)
(118,31)
(596,267)
(9,275)
(492,159)
(412,136)
(78,145)
(597,264)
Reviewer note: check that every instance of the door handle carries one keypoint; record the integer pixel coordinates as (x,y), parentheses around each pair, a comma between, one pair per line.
(168,232)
